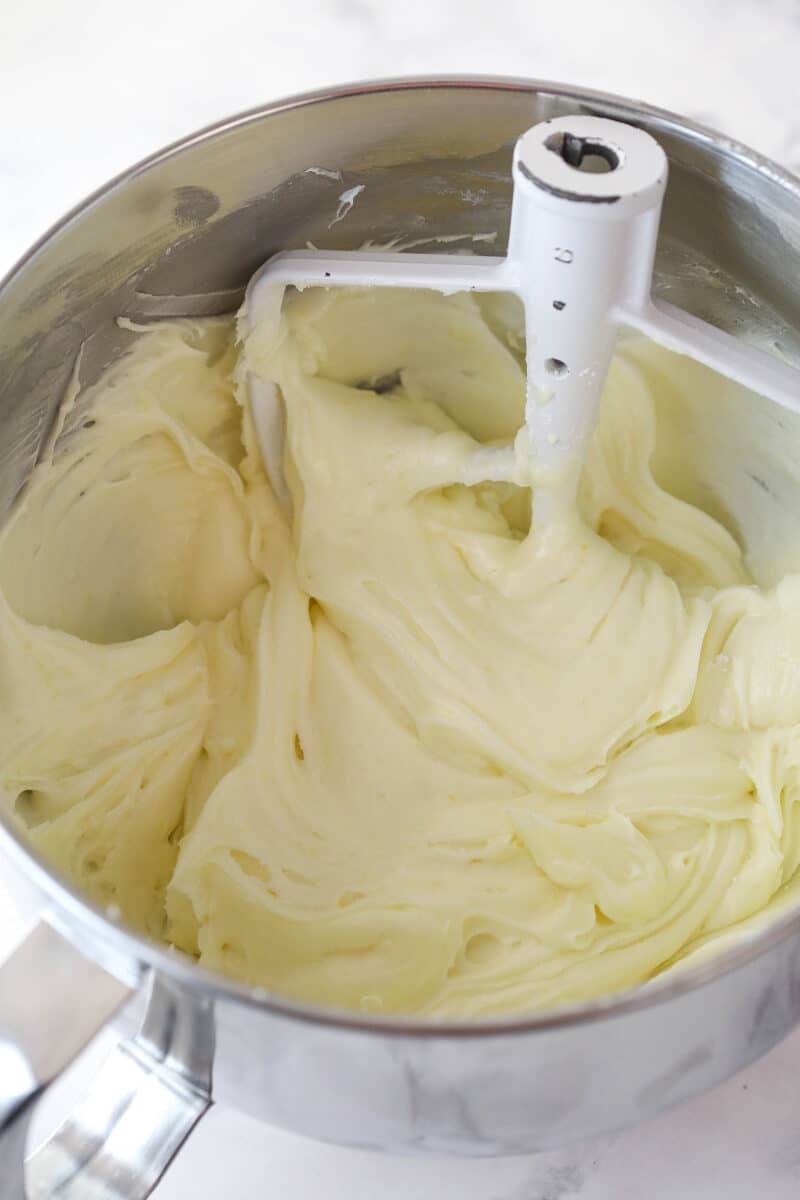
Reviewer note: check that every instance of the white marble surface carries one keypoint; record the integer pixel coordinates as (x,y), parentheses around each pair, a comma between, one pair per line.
(88,87)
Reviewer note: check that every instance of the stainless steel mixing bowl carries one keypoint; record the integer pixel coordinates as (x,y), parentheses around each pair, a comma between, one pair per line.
(181,234)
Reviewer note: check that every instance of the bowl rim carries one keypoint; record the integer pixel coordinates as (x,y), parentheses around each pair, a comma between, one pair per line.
(76,915)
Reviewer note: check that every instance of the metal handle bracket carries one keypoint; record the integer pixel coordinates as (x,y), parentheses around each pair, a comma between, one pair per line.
(144,1101)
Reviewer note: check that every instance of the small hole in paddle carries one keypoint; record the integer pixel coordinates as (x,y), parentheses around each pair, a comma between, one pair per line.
(584,154)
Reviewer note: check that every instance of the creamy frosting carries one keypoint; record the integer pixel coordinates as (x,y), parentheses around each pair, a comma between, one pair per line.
(395,746)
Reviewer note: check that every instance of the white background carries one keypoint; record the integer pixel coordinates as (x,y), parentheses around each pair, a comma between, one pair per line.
(89,86)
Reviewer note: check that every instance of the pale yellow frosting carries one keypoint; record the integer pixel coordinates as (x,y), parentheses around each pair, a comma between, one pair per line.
(388,747)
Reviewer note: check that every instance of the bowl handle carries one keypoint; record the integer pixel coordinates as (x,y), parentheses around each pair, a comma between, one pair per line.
(144,1100)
